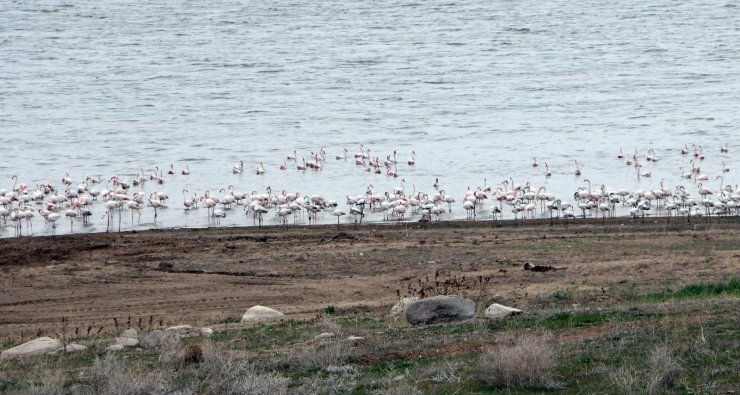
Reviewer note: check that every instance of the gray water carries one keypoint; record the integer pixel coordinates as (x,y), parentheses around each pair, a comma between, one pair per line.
(475,88)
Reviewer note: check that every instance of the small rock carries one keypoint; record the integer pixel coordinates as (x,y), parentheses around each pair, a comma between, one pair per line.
(170,339)
(355,340)
(130,333)
(72,347)
(42,345)
(153,340)
(114,347)
(496,310)
(179,328)
(400,377)
(205,332)
(440,309)
(126,341)
(400,307)
(325,335)
(258,313)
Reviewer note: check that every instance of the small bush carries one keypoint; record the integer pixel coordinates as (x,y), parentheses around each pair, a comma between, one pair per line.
(330,309)
(529,363)
(663,368)
(660,375)
(110,376)
(221,374)
(319,357)
(322,383)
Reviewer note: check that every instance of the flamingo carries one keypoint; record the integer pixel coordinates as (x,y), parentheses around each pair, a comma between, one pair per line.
(338,213)
(292,156)
(548,173)
(238,168)
(412,160)
(578,169)
(724,149)
(52,218)
(534,162)
(260,169)
(186,170)
(172,169)
(71,214)
(342,156)
(620,155)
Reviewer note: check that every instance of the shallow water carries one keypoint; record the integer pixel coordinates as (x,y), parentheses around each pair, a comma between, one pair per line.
(476,89)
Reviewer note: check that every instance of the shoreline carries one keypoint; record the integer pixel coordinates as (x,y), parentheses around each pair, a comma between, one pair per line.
(210,276)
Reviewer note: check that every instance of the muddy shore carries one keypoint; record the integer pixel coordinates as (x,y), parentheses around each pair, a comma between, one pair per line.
(210,276)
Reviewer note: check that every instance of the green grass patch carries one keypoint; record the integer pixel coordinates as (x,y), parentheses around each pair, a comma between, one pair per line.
(730,288)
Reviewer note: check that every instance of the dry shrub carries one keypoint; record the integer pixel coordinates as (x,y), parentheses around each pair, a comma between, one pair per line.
(445,372)
(528,363)
(110,376)
(663,368)
(320,383)
(626,380)
(659,375)
(397,385)
(222,374)
(318,357)
(50,385)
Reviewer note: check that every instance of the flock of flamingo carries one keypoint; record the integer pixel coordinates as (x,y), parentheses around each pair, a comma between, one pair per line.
(77,200)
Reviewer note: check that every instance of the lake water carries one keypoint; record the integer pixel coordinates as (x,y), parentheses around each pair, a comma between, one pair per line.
(475,88)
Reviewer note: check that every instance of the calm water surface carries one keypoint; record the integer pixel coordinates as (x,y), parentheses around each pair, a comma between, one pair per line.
(475,88)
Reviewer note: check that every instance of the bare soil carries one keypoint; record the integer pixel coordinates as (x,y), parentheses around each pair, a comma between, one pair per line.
(210,276)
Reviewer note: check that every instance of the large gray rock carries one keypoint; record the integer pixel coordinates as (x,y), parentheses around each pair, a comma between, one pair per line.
(42,345)
(440,309)
(400,307)
(114,347)
(259,313)
(153,340)
(496,310)
(130,333)
(126,341)
(72,347)
(179,328)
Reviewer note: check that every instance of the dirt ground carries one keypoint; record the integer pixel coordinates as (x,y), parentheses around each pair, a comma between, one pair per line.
(211,276)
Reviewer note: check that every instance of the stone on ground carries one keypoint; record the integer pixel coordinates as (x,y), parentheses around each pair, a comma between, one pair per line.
(42,345)
(440,309)
(114,347)
(496,310)
(126,341)
(179,328)
(130,333)
(400,307)
(325,335)
(72,347)
(153,340)
(258,313)
(205,332)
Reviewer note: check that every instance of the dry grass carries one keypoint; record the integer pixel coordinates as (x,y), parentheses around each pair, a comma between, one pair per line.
(660,374)
(317,357)
(527,363)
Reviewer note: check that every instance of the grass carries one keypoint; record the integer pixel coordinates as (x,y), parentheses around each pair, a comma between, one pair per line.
(643,344)
(729,288)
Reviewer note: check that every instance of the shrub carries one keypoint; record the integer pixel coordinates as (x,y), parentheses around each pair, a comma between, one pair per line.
(663,368)
(319,357)
(221,374)
(528,363)
(110,376)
